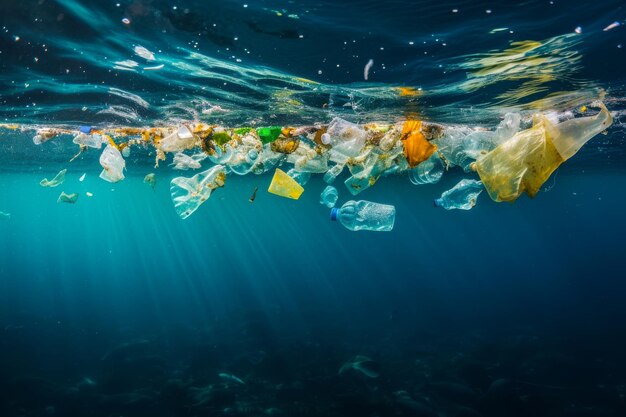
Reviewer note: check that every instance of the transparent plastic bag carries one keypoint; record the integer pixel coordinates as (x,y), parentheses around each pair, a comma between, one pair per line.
(113,164)
(189,193)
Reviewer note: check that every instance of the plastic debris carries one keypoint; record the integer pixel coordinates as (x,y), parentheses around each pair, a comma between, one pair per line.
(269,134)
(365,215)
(82,177)
(144,53)
(363,365)
(416,148)
(253,196)
(231,378)
(346,139)
(462,196)
(179,140)
(67,198)
(4,215)
(150,179)
(368,67)
(329,196)
(333,173)
(89,194)
(285,186)
(301,177)
(428,172)
(525,161)
(57,180)
(92,141)
(44,135)
(85,130)
(113,164)
(611,26)
(189,193)
(184,162)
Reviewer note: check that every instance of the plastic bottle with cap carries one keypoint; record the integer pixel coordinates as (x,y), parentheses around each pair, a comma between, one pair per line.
(365,215)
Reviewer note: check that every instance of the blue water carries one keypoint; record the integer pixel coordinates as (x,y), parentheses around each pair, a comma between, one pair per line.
(114,306)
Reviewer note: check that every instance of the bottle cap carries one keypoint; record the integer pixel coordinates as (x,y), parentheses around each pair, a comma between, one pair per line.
(333,213)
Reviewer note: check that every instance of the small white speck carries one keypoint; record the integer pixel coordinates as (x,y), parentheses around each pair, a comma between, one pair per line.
(301,36)
(411,43)
(245,6)
(455,10)
(16,38)
(578,30)
(488,11)
(319,72)
(126,21)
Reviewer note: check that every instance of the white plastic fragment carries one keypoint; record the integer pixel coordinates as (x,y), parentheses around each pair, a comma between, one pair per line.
(113,164)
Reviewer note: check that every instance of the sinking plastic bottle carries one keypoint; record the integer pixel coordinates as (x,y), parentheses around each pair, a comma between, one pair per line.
(365,215)
(462,196)
(428,172)
(329,196)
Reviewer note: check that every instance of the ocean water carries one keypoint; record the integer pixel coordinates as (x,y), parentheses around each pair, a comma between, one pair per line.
(115,306)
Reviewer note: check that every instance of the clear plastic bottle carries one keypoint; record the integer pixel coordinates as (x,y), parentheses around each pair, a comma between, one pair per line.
(365,215)
(329,196)
(462,196)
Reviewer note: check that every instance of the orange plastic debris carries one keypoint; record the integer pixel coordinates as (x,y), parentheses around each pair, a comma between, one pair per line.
(416,148)
(408,92)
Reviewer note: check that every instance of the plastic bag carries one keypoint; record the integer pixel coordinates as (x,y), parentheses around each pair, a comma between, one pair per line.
(113,164)
(416,148)
(524,162)
(57,180)
(189,193)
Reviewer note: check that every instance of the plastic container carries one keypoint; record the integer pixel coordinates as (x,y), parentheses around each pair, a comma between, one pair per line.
(329,196)
(365,215)
(462,196)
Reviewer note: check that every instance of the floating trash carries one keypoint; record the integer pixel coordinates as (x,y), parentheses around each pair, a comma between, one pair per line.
(285,186)
(150,179)
(113,164)
(329,196)
(57,180)
(365,215)
(462,196)
(189,193)
(5,216)
(67,198)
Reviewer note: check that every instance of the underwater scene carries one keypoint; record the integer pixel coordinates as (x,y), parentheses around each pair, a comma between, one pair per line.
(312,208)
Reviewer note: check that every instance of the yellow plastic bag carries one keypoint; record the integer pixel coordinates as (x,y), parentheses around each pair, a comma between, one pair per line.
(524,162)
(416,148)
(285,186)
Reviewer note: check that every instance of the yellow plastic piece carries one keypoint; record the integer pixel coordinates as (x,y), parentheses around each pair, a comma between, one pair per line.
(524,162)
(285,186)
(416,148)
